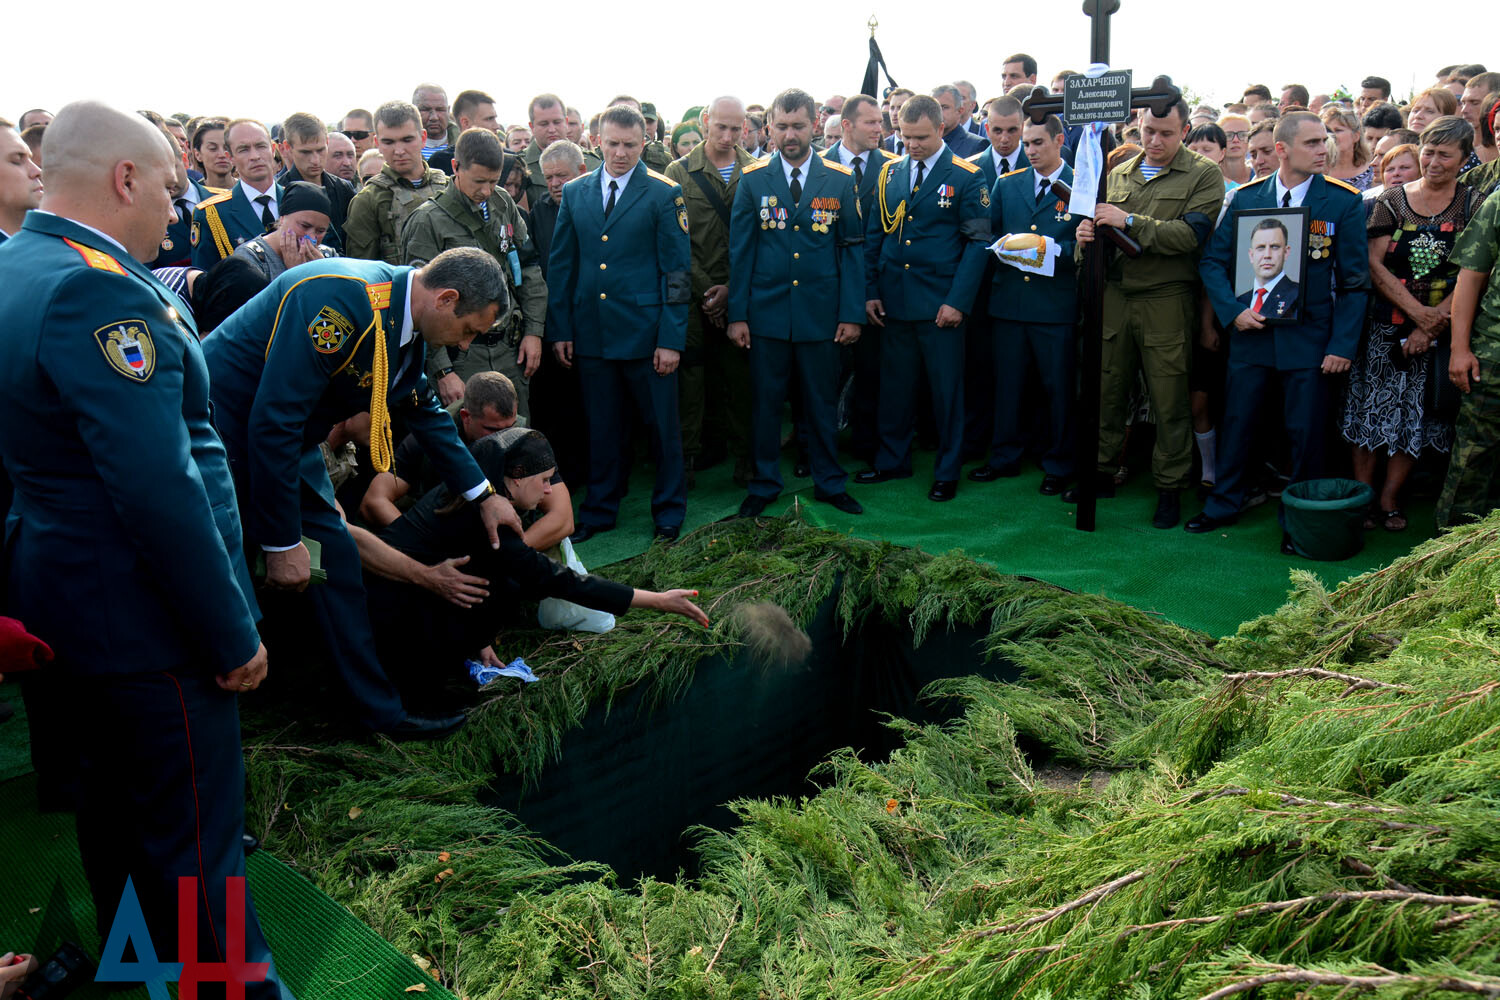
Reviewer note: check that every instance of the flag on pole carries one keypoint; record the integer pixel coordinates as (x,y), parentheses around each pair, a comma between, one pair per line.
(874,66)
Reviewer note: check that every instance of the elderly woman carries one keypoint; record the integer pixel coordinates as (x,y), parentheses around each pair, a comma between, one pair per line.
(686,136)
(298,236)
(1350,160)
(1236,137)
(1412,230)
(1430,105)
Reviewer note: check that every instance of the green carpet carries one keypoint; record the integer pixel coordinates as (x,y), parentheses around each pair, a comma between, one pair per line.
(322,952)
(1209,582)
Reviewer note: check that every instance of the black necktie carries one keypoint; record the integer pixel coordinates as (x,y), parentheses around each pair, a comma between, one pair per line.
(609,206)
(796,185)
(1041,192)
(266,218)
(859,171)
(1004,166)
(921,166)
(184,210)
(1286,200)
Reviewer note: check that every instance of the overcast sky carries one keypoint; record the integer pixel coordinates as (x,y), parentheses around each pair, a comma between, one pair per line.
(328,57)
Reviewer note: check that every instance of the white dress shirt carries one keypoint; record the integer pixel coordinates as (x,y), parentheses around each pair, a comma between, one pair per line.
(1298,193)
(928,164)
(269,192)
(605,177)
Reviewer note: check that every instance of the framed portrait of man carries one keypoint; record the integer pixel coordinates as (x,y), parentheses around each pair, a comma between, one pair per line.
(1270,253)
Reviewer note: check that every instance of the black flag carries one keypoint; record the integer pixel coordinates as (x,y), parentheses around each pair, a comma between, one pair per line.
(872,74)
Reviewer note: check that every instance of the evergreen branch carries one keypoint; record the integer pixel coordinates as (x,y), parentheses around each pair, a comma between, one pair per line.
(1312,977)
(1092,896)
(1359,866)
(1280,905)
(1354,683)
(722,941)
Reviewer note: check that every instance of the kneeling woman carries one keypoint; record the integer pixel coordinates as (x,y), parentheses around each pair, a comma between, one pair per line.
(416,630)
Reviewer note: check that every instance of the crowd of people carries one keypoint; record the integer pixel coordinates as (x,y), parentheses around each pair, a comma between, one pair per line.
(360,368)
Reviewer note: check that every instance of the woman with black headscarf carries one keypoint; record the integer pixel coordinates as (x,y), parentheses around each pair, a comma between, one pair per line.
(416,627)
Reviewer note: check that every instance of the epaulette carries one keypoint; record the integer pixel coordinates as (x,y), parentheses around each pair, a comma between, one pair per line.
(97,259)
(975,158)
(836,165)
(1343,184)
(226,192)
(1018,170)
(661,177)
(888,154)
(1256,180)
(972,168)
(216,199)
(747,168)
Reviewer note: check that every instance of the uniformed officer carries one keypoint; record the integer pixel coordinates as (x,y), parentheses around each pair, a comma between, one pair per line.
(1472,487)
(1301,353)
(548,121)
(251,208)
(474,211)
(796,292)
(1033,316)
(331,339)
(709,176)
(924,259)
(377,213)
(617,307)
(176,248)
(654,153)
(1167,197)
(859,149)
(125,552)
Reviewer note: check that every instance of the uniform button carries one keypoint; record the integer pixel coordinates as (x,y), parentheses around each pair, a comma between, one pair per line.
(794,282)
(603,238)
(1033,229)
(796,229)
(1026,277)
(603,296)
(604,267)
(796,256)
(907,266)
(908,242)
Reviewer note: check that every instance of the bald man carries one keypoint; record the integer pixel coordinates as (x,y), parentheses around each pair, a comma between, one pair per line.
(126,554)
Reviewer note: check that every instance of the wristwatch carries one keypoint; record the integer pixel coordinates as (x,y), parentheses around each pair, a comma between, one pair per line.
(1129,221)
(445,371)
(489,491)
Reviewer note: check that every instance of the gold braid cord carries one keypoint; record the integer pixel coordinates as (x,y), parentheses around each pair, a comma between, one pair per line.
(380,415)
(216,228)
(890,221)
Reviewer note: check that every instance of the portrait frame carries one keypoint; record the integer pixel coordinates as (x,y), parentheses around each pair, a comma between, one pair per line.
(1287,299)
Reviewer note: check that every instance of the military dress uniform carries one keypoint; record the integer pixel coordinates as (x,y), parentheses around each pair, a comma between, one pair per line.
(452,220)
(223,222)
(1336,275)
(323,342)
(979,359)
(380,210)
(618,289)
(1472,488)
(708,356)
(795,274)
(1151,306)
(177,247)
(1033,322)
(863,361)
(924,248)
(123,551)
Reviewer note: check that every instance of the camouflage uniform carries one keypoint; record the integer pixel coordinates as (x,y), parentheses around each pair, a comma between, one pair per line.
(1472,488)
(376,215)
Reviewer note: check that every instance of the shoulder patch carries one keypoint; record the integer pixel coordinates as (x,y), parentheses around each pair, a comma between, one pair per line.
(975,158)
(380,295)
(128,348)
(97,259)
(963,164)
(661,177)
(836,165)
(329,329)
(682,219)
(216,199)
(1018,170)
(747,168)
(1343,184)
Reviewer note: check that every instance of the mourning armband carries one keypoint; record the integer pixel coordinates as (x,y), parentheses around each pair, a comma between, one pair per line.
(678,288)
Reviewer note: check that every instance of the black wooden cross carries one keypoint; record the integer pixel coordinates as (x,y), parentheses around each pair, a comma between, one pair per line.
(1159,97)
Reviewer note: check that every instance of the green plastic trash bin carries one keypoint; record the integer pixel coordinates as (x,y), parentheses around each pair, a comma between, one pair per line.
(1326,517)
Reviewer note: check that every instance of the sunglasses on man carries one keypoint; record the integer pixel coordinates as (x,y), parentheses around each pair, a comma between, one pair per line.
(357,134)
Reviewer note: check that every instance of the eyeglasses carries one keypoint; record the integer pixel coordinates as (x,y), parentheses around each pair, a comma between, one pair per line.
(1237,135)
(357,134)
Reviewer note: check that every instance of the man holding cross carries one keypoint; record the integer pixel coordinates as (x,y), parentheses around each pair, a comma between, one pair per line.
(1167,198)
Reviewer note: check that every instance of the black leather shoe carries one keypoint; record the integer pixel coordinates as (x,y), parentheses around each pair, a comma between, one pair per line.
(587,531)
(1203,523)
(753,506)
(1287,548)
(1051,485)
(666,532)
(1104,489)
(871,476)
(843,501)
(943,489)
(990,473)
(416,727)
(1168,509)
(252,844)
